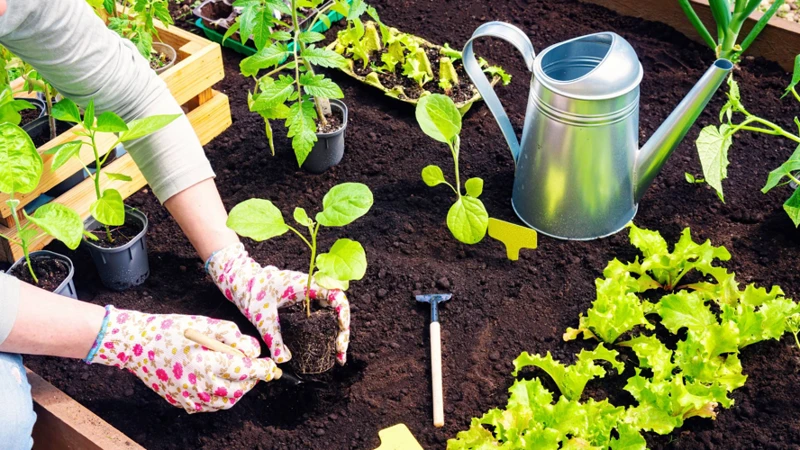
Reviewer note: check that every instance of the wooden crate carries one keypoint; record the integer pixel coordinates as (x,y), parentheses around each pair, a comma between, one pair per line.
(190,80)
(779,42)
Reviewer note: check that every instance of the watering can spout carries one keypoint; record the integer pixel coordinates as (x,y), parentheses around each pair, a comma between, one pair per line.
(655,153)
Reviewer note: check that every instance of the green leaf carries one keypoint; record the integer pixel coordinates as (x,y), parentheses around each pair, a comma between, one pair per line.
(60,222)
(142,127)
(111,123)
(344,203)
(117,176)
(712,147)
(792,207)
(629,439)
(310,37)
(795,76)
(20,162)
(301,217)
(262,28)
(474,187)
(685,309)
(652,354)
(319,86)
(648,242)
(433,176)
(468,220)
(323,57)
(302,129)
(257,219)
(231,31)
(345,261)
(438,117)
(274,94)
(109,209)
(63,153)
(264,58)
(88,116)
(66,111)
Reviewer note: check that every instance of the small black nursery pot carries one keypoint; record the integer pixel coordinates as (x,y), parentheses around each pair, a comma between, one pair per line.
(329,148)
(125,266)
(48,266)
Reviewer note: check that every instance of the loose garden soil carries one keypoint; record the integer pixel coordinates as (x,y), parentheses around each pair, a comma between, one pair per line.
(500,308)
(49,271)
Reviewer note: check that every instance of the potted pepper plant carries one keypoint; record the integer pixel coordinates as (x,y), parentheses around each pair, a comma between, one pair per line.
(120,249)
(310,333)
(294,92)
(20,171)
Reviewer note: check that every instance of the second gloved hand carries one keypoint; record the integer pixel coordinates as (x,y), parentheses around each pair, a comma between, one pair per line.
(260,291)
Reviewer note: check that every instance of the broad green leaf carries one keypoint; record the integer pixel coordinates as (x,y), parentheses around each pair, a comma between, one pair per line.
(88,116)
(20,162)
(328,282)
(281,36)
(319,86)
(66,111)
(323,57)
(60,222)
(685,309)
(712,147)
(438,117)
(652,354)
(648,242)
(264,58)
(257,219)
(109,209)
(344,203)
(571,380)
(117,176)
(302,129)
(247,19)
(468,220)
(231,31)
(601,353)
(262,28)
(110,122)
(795,76)
(474,187)
(142,127)
(433,176)
(310,37)
(63,153)
(274,94)
(786,169)
(792,207)
(301,217)
(345,261)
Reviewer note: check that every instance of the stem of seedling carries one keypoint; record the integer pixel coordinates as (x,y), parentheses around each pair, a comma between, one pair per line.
(51,120)
(96,179)
(301,46)
(311,270)
(22,241)
(454,149)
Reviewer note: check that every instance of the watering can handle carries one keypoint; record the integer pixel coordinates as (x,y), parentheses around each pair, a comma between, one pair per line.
(521,41)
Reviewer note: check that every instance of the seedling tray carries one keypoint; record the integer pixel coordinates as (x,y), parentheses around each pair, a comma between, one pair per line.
(190,80)
(392,91)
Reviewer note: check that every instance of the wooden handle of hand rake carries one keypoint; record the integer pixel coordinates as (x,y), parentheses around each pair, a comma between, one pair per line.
(436,374)
(217,346)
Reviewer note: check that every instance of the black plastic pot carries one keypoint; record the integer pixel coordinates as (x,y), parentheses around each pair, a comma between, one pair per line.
(329,149)
(39,105)
(67,287)
(122,267)
(167,51)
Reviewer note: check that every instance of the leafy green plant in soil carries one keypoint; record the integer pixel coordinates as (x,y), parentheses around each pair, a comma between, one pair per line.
(136,21)
(683,317)
(346,260)
(439,118)
(108,207)
(20,171)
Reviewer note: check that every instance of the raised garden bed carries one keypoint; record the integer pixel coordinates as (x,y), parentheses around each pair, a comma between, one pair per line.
(500,308)
(190,81)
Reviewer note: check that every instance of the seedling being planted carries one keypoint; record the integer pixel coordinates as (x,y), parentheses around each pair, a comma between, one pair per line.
(467,219)
(20,172)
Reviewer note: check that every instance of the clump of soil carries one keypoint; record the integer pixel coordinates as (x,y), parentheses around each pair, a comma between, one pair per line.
(334,121)
(50,271)
(29,115)
(311,339)
(121,235)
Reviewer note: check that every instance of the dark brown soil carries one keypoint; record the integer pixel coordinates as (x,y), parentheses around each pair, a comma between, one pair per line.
(29,115)
(49,271)
(216,10)
(312,340)
(158,60)
(500,308)
(120,235)
(42,136)
(334,122)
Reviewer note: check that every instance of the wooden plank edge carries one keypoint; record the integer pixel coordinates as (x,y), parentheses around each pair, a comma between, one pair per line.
(63,423)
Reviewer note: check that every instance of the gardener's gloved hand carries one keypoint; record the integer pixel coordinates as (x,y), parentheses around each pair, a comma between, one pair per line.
(260,291)
(184,373)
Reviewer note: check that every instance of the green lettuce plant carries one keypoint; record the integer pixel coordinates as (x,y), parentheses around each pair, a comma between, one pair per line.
(108,207)
(346,260)
(20,171)
(439,118)
(292,91)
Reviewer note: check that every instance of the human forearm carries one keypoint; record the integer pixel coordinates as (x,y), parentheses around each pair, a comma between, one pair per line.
(53,325)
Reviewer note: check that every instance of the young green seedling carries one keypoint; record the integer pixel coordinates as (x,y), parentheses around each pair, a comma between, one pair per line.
(20,172)
(136,21)
(439,118)
(108,208)
(346,261)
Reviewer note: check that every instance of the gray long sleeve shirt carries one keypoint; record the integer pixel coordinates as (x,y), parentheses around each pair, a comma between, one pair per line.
(73,49)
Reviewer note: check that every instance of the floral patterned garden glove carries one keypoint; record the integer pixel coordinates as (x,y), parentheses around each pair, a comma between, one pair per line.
(184,373)
(260,291)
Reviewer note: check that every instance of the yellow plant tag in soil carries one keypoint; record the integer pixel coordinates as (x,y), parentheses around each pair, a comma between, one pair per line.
(514,237)
(398,437)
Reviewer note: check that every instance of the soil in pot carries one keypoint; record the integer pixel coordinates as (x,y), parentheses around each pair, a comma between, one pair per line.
(158,60)
(312,339)
(28,116)
(120,235)
(334,122)
(43,136)
(216,10)
(51,272)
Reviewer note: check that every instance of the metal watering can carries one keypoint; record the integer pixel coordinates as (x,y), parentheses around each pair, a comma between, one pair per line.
(579,170)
